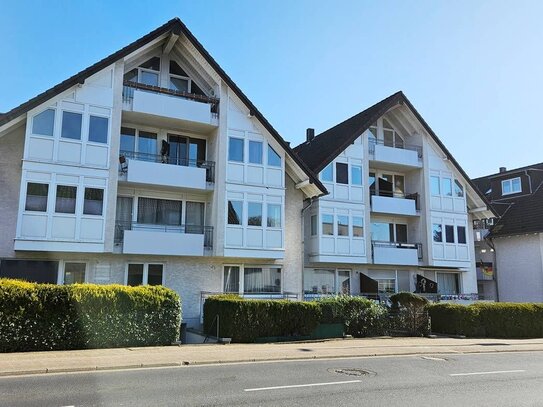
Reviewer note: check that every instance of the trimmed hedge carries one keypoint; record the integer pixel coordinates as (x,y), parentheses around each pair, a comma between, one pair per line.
(492,320)
(56,317)
(246,320)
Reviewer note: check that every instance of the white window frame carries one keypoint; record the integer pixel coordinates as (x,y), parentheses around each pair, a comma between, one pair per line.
(145,271)
(186,78)
(140,70)
(510,182)
(336,279)
(62,270)
(242,277)
(97,143)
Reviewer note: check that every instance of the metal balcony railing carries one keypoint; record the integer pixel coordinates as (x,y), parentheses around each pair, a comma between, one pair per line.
(129,86)
(209,166)
(372,143)
(398,245)
(207,231)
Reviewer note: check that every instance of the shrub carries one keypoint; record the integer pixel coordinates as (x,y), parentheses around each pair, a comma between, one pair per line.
(494,320)
(409,314)
(245,320)
(53,317)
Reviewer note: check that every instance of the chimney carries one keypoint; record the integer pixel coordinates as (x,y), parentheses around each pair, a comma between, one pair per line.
(503,169)
(309,135)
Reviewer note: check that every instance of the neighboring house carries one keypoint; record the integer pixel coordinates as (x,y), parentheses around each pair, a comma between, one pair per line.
(399,212)
(510,249)
(152,167)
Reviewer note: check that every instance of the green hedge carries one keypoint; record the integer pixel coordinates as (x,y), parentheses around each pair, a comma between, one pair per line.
(56,317)
(246,320)
(492,320)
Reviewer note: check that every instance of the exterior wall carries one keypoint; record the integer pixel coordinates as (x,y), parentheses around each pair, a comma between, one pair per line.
(11,153)
(293,261)
(519,264)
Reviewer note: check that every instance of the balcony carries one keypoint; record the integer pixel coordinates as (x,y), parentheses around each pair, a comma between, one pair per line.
(152,169)
(180,109)
(396,253)
(169,240)
(395,204)
(395,156)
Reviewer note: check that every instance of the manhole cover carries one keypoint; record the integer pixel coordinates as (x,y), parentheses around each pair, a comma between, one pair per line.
(349,371)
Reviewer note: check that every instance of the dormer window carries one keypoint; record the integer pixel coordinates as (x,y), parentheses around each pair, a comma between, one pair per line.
(511,186)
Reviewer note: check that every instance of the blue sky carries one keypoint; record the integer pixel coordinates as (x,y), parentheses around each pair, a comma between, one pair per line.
(473,69)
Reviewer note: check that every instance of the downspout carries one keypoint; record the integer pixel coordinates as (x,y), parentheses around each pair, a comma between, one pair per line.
(303,241)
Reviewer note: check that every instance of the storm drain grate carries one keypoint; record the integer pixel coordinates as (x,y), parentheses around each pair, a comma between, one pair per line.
(352,372)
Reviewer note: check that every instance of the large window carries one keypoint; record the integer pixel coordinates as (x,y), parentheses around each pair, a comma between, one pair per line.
(43,123)
(128,139)
(74,273)
(255,152)
(65,199)
(71,125)
(235,212)
(328,225)
(327,281)
(159,211)
(94,201)
(447,186)
(458,189)
(98,129)
(36,197)
(147,145)
(342,173)
(254,211)
(144,274)
(391,137)
(356,175)
(231,279)
(511,186)
(274,216)
(434,185)
(386,285)
(235,149)
(194,217)
(274,159)
(389,232)
(261,280)
(447,283)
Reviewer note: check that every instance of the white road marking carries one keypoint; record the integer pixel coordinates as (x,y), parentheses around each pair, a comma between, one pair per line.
(302,385)
(482,373)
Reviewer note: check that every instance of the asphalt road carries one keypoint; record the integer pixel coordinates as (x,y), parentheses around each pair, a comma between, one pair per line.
(497,379)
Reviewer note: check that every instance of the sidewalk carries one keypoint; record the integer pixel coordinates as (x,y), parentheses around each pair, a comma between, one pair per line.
(125,358)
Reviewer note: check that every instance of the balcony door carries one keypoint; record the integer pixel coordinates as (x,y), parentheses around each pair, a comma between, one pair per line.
(123,216)
(194,217)
(389,232)
(186,151)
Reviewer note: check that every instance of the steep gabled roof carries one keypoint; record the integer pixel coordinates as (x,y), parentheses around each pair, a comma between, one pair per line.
(325,147)
(175,26)
(518,214)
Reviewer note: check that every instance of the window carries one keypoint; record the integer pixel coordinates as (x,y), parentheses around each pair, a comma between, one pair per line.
(71,125)
(141,274)
(319,281)
(401,233)
(194,217)
(344,282)
(342,173)
(328,173)
(255,152)
(313,225)
(74,273)
(146,74)
(447,186)
(147,145)
(261,280)
(128,139)
(274,216)
(254,211)
(358,226)
(386,285)
(391,137)
(43,123)
(342,225)
(461,233)
(382,232)
(328,225)
(449,233)
(235,149)
(356,175)
(434,185)
(93,203)
(231,279)
(274,159)
(65,200)
(511,186)
(447,283)
(179,84)
(98,127)
(154,274)
(437,232)
(235,212)
(458,189)
(36,197)
(153,211)
(135,275)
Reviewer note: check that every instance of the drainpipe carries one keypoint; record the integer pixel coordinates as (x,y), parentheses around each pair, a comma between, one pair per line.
(303,241)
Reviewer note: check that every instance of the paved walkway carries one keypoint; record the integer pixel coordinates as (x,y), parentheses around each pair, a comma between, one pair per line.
(124,358)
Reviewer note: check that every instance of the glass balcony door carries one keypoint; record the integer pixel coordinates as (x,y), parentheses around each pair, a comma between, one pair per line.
(186,151)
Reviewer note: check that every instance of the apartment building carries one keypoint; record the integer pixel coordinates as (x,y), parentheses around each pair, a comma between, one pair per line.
(399,213)
(152,167)
(510,247)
